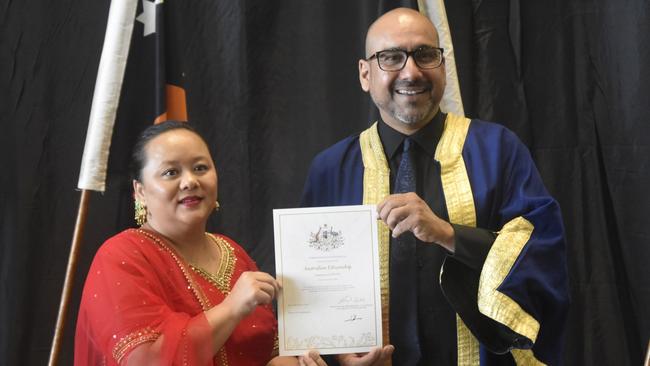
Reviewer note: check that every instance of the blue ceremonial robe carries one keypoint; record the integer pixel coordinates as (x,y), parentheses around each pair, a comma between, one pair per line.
(489,182)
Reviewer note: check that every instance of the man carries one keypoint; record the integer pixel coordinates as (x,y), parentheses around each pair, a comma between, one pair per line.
(476,260)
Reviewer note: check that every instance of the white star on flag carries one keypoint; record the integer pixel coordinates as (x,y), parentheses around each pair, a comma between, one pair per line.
(148,16)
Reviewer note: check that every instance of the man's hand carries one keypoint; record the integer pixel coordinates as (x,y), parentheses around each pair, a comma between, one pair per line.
(376,357)
(408,212)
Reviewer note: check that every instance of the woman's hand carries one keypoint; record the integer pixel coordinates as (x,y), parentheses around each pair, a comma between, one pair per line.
(376,357)
(311,358)
(250,290)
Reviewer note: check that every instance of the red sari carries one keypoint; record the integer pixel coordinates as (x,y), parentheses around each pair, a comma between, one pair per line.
(139,289)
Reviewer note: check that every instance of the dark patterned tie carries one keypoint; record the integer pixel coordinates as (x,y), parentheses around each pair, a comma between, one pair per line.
(403,276)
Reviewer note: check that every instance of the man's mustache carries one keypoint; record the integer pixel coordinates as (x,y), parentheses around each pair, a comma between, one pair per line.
(412,84)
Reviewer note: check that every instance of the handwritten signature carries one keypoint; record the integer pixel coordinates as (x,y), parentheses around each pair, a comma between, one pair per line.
(353,317)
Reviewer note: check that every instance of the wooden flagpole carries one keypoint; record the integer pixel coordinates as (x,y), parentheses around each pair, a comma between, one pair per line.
(68,284)
(92,176)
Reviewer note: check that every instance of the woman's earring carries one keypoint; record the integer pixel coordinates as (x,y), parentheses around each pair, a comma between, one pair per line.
(216,205)
(140,213)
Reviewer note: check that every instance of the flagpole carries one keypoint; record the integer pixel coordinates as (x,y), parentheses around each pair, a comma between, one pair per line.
(94,162)
(68,284)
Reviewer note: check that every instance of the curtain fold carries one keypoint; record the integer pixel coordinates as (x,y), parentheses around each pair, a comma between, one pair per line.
(271,84)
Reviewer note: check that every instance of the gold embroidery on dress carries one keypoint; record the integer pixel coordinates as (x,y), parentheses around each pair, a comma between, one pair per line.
(131,340)
(376,186)
(196,289)
(222,356)
(225,272)
(221,280)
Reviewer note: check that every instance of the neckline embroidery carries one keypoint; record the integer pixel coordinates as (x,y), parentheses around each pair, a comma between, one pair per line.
(221,279)
(184,268)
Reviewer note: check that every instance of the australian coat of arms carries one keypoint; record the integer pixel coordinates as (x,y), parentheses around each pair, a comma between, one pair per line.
(326,239)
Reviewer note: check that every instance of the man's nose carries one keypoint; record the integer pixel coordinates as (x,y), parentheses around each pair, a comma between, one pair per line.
(411,70)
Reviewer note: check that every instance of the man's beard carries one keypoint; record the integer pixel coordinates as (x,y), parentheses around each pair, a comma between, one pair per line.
(413,117)
(411,113)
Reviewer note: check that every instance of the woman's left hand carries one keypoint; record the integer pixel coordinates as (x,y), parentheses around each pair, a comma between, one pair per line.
(311,358)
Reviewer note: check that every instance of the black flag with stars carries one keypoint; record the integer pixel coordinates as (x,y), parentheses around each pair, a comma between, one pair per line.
(154,74)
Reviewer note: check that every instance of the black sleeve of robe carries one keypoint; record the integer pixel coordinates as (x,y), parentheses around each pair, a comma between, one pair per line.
(459,282)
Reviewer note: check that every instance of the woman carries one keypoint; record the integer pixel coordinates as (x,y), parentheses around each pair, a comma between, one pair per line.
(168,292)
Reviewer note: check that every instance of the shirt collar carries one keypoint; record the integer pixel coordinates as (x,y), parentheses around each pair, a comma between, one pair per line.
(427,137)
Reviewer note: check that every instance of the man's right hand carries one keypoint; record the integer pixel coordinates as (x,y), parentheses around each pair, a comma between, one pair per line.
(376,357)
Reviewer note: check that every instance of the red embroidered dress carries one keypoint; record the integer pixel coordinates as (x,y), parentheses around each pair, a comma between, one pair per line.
(139,289)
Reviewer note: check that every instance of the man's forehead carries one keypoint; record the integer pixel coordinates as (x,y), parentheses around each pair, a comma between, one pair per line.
(401,31)
(402,40)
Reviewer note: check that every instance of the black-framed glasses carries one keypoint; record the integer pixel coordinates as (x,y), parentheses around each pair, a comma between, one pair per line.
(395,59)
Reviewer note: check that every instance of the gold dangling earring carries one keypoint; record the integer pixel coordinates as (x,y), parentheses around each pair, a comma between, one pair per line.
(216,206)
(140,213)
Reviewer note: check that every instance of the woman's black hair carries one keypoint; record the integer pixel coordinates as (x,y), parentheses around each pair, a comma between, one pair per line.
(138,156)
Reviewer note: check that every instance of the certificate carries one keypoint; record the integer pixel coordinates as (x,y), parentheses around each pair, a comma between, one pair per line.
(327,259)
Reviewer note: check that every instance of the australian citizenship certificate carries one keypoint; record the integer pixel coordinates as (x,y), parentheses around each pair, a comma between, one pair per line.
(327,259)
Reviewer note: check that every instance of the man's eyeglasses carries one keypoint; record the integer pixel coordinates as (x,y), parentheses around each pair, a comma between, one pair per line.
(395,60)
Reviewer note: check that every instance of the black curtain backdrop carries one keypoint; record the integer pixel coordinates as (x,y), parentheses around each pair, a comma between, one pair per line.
(272,83)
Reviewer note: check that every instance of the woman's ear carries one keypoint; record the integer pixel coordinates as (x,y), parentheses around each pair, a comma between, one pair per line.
(138,191)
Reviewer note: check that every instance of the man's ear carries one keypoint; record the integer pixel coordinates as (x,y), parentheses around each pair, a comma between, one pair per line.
(364,75)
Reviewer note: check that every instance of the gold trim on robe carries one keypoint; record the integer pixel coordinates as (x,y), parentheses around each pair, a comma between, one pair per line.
(502,256)
(460,208)
(467,346)
(376,186)
(453,174)
(525,357)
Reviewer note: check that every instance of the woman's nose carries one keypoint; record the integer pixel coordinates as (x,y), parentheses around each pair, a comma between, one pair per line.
(188,181)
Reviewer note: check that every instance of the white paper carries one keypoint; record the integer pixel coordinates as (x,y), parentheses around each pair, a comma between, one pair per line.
(328,261)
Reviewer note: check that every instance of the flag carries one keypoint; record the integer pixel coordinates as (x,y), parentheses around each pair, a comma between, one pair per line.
(108,86)
(452,101)
(164,97)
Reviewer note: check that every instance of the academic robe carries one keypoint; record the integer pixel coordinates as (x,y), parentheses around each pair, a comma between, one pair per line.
(515,307)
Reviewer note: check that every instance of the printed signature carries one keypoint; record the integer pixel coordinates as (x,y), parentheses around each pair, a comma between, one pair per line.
(351,300)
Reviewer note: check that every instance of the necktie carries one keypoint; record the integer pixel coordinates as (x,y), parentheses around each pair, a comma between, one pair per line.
(403,276)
